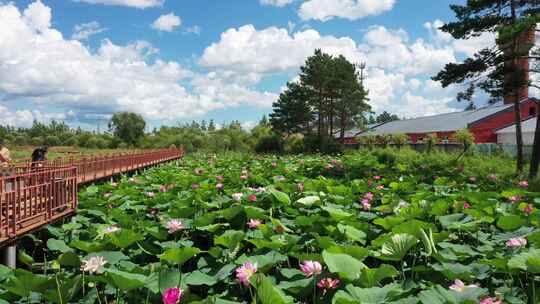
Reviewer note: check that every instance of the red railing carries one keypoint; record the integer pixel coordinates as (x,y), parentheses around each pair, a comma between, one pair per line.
(34,195)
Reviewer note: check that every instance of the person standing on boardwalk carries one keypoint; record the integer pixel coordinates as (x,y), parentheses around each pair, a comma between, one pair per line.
(39,156)
(5,158)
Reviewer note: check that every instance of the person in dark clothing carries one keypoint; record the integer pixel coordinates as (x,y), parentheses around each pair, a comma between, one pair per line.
(39,156)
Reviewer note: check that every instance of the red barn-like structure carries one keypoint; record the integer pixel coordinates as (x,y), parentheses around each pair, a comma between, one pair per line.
(483,123)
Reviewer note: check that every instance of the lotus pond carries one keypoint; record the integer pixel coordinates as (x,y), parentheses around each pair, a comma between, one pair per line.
(359,228)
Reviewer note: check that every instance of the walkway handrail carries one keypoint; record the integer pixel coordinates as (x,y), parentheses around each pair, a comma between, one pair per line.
(37,194)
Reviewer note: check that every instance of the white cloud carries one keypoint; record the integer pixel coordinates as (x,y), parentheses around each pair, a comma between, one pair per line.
(25,118)
(214,86)
(391,49)
(249,125)
(167,23)
(85,30)
(467,47)
(38,16)
(193,30)
(324,10)
(279,3)
(40,66)
(271,50)
(132,3)
(416,106)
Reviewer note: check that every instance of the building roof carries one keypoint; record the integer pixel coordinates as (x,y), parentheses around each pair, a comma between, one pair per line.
(448,122)
(527,126)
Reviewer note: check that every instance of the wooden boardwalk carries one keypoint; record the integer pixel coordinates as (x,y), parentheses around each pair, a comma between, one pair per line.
(36,196)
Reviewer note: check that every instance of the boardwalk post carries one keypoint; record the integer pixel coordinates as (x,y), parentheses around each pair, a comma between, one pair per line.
(9,256)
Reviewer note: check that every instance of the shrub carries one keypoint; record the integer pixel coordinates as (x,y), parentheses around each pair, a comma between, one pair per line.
(431,141)
(269,144)
(294,143)
(465,138)
(399,139)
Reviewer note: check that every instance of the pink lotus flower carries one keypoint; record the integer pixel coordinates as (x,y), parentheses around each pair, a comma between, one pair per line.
(366,204)
(466,205)
(368,196)
(493,177)
(219,186)
(328,283)
(311,268)
(515,198)
(377,177)
(523,184)
(243,177)
(274,164)
(491,301)
(219,178)
(528,210)
(163,188)
(245,272)
(195,186)
(300,187)
(174,225)
(150,194)
(516,242)
(237,196)
(252,198)
(459,286)
(253,224)
(172,296)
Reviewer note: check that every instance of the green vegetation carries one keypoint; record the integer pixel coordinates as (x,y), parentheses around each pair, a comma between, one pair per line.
(380,226)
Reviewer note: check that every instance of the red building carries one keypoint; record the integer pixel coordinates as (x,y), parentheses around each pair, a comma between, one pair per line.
(483,123)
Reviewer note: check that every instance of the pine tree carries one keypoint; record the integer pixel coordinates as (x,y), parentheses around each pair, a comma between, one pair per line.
(315,76)
(292,112)
(211,126)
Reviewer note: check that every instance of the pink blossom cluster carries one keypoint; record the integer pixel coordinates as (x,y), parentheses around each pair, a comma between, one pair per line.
(516,242)
(366,201)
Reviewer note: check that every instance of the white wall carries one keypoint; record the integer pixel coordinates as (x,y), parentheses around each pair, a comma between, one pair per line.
(510,138)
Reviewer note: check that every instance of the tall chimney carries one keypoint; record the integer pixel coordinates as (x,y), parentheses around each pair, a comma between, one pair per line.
(525,42)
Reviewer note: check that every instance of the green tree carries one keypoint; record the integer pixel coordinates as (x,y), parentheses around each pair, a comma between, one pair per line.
(385,117)
(127,126)
(351,95)
(315,76)
(292,112)
(497,69)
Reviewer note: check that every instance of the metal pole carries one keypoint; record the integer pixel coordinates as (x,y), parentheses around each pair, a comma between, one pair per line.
(9,257)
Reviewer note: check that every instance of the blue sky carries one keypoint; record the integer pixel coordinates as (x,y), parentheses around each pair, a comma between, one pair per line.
(175,61)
